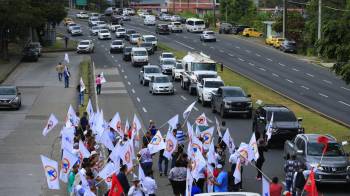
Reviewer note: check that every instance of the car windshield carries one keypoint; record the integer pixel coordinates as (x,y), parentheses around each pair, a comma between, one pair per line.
(233,93)
(168,62)
(210,33)
(131,31)
(120,30)
(161,80)
(76,28)
(177,23)
(104,31)
(152,70)
(117,43)
(140,53)
(204,66)
(168,55)
(101,23)
(199,22)
(7,91)
(291,44)
(84,43)
(135,35)
(150,39)
(333,149)
(282,116)
(213,84)
(127,49)
(179,66)
(94,19)
(95,28)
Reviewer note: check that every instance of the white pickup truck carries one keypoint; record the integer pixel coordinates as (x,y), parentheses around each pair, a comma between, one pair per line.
(205,88)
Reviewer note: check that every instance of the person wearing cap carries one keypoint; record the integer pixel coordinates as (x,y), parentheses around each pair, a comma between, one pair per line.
(221,182)
(137,188)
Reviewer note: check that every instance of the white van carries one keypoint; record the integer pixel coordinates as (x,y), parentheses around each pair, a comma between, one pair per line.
(195,25)
(149,20)
(139,56)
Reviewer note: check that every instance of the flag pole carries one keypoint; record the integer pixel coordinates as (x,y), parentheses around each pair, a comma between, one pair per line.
(257,168)
(188,116)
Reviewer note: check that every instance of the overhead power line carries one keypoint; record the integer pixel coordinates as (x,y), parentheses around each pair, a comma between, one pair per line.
(325,6)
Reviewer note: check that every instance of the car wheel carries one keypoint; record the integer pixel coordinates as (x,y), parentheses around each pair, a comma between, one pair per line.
(213,107)
(222,112)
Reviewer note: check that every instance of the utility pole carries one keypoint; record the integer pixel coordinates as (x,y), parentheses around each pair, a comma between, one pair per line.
(284,19)
(214,16)
(319,19)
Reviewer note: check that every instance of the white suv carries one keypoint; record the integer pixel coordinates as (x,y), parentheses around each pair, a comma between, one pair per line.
(206,87)
(104,34)
(175,27)
(120,32)
(85,46)
(139,56)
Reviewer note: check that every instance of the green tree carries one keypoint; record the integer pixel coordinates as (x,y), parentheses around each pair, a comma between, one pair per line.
(238,11)
(295,27)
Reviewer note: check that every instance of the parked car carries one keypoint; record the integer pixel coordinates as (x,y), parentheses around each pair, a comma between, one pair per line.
(116,46)
(277,43)
(162,29)
(175,27)
(139,56)
(30,53)
(10,97)
(127,54)
(104,34)
(120,32)
(82,15)
(147,72)
(167,65)
(150,39)
(205,88)
(285,126)
(134,38)
(231,100)
(208,36)
(288,46)
(76,30)
(225,28)
(238,29)
(149,20)
(85,46)
(251,32)
(331,167)
(128,33)
(149,47)
(177,70)
(270,40)
(37,47)
(161,84)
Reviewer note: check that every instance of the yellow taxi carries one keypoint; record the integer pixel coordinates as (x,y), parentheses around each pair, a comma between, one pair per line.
(277,43)
(251,32)
(270,40)
(67,21)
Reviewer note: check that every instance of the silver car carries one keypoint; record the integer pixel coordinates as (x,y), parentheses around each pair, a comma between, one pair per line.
(161,84)
(208,36)
(10,97)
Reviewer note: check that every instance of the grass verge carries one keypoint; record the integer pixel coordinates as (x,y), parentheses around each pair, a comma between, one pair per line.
(60,45)
(85,71)
(313,122)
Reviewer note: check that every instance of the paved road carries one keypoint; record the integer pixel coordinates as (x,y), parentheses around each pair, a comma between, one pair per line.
(161,108)
(21,140)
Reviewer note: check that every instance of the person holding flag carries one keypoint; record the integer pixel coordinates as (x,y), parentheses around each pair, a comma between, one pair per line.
(221,182)
(145,159)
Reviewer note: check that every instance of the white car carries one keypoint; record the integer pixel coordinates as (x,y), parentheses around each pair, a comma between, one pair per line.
(76,30)
(120,32)
(206,87)
(117,46)
(165,17)
(114,26)
(166,56)
(85,46)
(147,72)
(134,38)
(150,39)
(175,27)
(102,24)
(161,84)
(175,18)
(177,70)
(93,21)
(208,36)
(94,30)
(149,20)
(82,15)
(167,65)
(139,56)
(104,34)
(70,26)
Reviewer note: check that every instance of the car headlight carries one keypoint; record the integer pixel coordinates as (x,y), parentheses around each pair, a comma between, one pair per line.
(14,100)
(227,104)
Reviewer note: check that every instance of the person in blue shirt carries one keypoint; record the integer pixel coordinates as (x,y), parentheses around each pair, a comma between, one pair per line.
(195,189)
(221,182)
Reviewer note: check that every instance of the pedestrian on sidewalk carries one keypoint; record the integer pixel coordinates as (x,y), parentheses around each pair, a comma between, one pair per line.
(60,70)
(66,39)
(80,95)
(160,164)
(66,75)
(259,163)
(275,187)
(98,84)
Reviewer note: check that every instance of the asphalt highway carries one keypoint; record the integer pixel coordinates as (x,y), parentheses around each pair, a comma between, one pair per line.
(162,107)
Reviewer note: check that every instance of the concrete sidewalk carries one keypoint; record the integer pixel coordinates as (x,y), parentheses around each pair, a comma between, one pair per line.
(21,140)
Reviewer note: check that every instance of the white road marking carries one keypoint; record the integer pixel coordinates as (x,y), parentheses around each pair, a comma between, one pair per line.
(248,51)
(119,65)
(122,70)
(129,83)
(268,59)
(323,95)
(342,102)
(184,45)
(345,88)
(262,69)
(295,69)
(211,47)
(241,59)
(304,87)
(230,54)
(133,91)
(221,51)
(194,107)
(290,81)
(310,75)
(144,109)
(283,65)
(252,64)
(257,54)
(238,47)
(138,99)
(185,37)
(125,76)
(275,75)
(327,81)
(184,98)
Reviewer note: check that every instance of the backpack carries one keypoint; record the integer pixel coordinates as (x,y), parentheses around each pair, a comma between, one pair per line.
(300,180)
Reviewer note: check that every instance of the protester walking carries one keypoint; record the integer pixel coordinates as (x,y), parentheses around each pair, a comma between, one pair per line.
(123,180)
(290,167)
(71,178)
(160,164)
(66,75)
(145,159)
(177,178)
(60,70)
(299,180)
(259,163)
(180,134)
(137,188)
(275,187)
(98,84)
(150,184)
(221,182)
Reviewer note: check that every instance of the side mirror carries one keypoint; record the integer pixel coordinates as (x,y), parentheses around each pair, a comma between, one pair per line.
(300,152)
(300,119)
(249,95)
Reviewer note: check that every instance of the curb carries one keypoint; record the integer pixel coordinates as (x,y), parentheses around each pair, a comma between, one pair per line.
(59,50)
(11,71)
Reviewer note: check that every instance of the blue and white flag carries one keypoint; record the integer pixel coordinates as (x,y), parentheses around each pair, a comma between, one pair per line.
(207,136)
(254,146)
(68,160)
(90,109)
(83,151)
(265,187)
(71,119)
(269,128)
(51,172)
(67,141)
(51,123)
(229,141)
(188,110)
(170,146)
(157,143)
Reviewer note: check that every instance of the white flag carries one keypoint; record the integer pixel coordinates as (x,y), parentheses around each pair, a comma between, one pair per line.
(68,160)
(173,122)
(142,175)
(67,135)
(197,164)
(88,192)
(237,173)
(211,154)
(51,172)
(245,152)
(201,120)
(269,128)
(254,146)
(84,182)
(82,85)
(188,110)
(265,187)
(116,124)
(189,181)
(103,79)
(127,127)
(171,144)
(106,140)
(115,156)
(98,127)
(107,171)
(229,141)
(196,145)
(126,154)
(84,152)
(71,119)
(51,123)
(207,136)
(135,128)
(198,131)
(90,109)
(218,127)
(66,57)
(210,185)
(157,143)
(190,131)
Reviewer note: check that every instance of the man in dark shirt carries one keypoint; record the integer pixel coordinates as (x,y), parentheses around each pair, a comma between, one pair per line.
(84,121)
(123,179)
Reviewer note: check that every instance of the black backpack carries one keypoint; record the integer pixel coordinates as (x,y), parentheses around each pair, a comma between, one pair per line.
(300,180)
